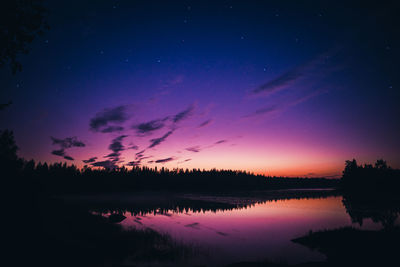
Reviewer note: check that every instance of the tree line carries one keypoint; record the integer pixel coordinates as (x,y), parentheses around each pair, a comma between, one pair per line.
(366,178)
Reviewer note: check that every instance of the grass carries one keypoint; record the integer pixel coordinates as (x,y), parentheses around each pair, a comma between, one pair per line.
(350,246)
(57,234)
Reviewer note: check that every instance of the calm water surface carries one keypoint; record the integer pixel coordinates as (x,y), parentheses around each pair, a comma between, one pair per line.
(253,233)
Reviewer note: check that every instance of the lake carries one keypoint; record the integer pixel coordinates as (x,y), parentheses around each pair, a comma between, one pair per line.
(233,229)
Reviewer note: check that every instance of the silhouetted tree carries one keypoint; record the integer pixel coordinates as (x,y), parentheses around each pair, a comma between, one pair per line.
(381,164)
(363,179)
(8,148)
(9,161)
(20,22)
(371,192)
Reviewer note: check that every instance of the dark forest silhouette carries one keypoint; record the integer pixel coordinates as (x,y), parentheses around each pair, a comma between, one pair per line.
(361,179)
(371,192)
(349,246)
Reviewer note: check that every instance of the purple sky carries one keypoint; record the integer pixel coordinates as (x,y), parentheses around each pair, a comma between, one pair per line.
(275,88)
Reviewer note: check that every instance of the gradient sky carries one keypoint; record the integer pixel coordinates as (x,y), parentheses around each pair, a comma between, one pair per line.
(291,88)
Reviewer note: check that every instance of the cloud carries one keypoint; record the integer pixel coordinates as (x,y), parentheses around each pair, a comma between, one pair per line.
(107,164)
(311,71)
(263,111)
(220,142)
(116,147)
(205,123)
(186,160)
(134,147)
(147,127)
(278,109)
(112,115)
(116,144)
(139,157)
(111,129)
(113,155)
(194,149)
(67,142)
(306,97)
(183,114)
(164,160)
(166,88)
(140,153)
(64,144)
(157,141)
(133,163)
(90,160)
(280,82)
(60,152)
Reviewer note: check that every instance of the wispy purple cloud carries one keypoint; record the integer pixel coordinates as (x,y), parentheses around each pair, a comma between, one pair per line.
(90,160)
(281,82)
(186,160)
(205,123)
(220,142)
(194,149)
(65,144)
(158,141)
(116,147)
(165,160)
(148,127)
(111,129)
(101,120)
(107,164)
(184,114)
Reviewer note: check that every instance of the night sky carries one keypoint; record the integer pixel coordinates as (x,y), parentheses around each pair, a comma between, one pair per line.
(274,87)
